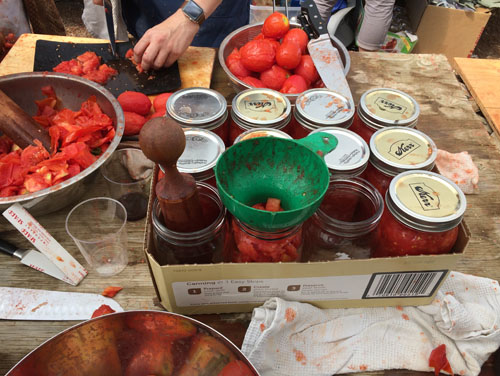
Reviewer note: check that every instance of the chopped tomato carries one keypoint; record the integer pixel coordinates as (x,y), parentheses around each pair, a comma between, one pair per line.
(273,204)
(111,291)
(102,310)
(438,360)
(87,65)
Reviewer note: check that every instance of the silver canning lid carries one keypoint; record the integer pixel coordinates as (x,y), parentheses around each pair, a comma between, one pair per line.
(317,108)
(426,201)
(257,108)
(351,155)
(398,149)
(197,107)
(382,107)
(262,132)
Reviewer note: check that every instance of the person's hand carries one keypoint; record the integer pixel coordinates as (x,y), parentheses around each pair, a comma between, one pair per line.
(98,2)
(162,45)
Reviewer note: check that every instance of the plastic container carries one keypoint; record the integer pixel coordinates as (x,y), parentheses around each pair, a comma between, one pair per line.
(198,107)
(382,107)
(262,132)
(200,247)
(258,108)
(344,224)
(395,150)
(319,108)
(423,211)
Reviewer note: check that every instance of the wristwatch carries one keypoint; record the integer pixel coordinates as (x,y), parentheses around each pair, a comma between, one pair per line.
(193,12)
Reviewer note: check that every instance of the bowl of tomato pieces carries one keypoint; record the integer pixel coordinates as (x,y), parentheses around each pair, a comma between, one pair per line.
(274,55)
(85,123)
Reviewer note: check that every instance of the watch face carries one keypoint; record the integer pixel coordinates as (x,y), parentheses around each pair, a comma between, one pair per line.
(193,11)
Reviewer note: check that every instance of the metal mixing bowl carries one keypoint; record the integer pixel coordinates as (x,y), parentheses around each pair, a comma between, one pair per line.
(245,34)
(107,345)
(24,89)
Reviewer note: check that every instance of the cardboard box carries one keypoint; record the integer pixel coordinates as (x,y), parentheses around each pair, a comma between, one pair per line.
(440,30)
(231,287)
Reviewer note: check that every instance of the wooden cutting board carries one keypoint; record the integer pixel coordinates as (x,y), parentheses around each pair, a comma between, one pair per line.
(195,65)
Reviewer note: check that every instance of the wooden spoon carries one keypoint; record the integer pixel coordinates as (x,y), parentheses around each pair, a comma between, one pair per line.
(162,140)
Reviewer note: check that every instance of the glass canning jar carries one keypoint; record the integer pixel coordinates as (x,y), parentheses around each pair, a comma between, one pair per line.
(199,247)
(382,107)
(258,108)
(262,132)
(344,224)
(422,215)
(318,108)
(398,149)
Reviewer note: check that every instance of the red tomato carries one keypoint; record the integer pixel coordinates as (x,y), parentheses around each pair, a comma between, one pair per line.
(236,368)
(233,62)
(288,55)
(258,55)
(252,81)
(275,77)
(111,291)
(294,84)
(307,69)
(133,123)
(134,101)
(298,36)
(273,204)
(319,84)
(160,101)
(276,26)
(102,310)
(438,360)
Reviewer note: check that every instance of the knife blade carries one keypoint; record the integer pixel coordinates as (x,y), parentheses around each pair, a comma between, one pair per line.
(30,304)
(108,12)
(35,260)
(325,56)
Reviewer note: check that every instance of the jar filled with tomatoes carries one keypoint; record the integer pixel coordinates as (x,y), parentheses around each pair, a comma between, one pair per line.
(382,107)
(198,107)
(395,150)
(350,158)
(345,222)
(262,132)
(199,247)
(318,108)
(422,215)
(258,108)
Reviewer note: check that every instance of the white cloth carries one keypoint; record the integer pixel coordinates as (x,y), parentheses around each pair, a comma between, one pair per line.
(94,19)
(291,338)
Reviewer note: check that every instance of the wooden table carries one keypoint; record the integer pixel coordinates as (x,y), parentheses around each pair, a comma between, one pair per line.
(446,116)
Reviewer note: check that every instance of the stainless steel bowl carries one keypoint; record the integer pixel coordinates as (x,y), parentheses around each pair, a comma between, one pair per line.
(108,345)
(245,34)
(24,89)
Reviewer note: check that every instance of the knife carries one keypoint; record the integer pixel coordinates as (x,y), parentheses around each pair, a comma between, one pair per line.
(108,12)
(325,56)
(35,260)
(30,304)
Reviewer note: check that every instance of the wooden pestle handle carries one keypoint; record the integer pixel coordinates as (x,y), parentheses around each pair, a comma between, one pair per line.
(19,126)
(162,140)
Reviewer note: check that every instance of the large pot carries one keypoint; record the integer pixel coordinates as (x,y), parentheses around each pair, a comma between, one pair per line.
(24,89)
(131,343)
(245,34)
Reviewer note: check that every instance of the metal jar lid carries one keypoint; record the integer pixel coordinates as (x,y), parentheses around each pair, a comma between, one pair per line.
(382,107)
(317,108)
(257,108)
(262,132)
(426,201)
(398,149)
(351,155)
(197,107)
(203,149)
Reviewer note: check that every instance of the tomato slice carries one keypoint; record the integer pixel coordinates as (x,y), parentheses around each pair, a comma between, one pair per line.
(111,291)
(438,360)
(102,310)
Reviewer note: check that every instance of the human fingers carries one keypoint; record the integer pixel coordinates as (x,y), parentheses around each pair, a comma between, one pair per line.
(149,55)
(98,2)
(140,47)
(161,58)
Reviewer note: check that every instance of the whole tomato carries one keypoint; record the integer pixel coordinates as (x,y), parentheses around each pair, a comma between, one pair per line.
(274,42)
(298,36)
(274,77)
(276,26)
(307,69)
(257,55)
(234,64)
(294,84)
(288,55)
(252,81)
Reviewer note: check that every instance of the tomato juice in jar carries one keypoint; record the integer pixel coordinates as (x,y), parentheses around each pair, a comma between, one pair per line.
(202,151)
(199,247)
(262,132)
(345,222)
(382,107)
(318,108)
(258,108)
(422,215)
(198,107)
(395,150)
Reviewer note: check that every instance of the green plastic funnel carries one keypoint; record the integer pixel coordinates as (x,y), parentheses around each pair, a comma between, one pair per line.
(293,171)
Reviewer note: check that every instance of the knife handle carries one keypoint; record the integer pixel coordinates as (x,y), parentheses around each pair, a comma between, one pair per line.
(8,248)
(309,10)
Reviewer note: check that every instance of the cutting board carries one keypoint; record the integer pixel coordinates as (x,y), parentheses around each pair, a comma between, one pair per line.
(195,65)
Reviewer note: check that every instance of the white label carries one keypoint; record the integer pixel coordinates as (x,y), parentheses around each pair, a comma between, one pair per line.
(242,291)
(404,285)
(45,243)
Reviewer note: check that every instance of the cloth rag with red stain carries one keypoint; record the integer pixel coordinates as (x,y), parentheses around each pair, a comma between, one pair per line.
(292,338)
(459,168)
